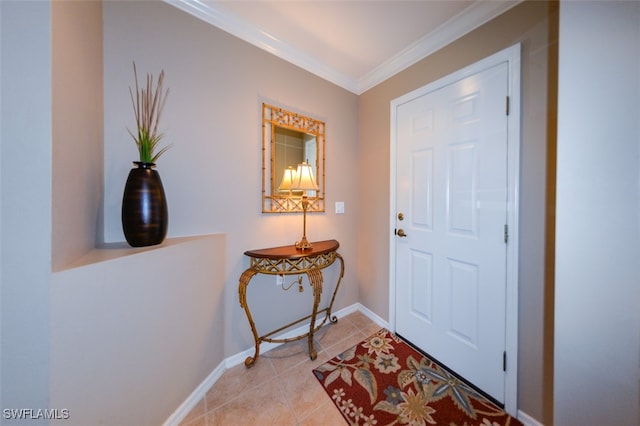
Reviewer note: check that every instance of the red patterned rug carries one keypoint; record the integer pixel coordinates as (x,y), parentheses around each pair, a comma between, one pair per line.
(384,381)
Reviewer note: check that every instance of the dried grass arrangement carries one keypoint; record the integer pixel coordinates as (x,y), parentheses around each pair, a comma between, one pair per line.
(148,103)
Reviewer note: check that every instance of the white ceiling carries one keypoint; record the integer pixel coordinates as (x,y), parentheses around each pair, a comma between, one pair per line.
(354,44)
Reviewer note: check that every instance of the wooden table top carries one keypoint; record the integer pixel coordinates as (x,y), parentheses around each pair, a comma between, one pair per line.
(291,252)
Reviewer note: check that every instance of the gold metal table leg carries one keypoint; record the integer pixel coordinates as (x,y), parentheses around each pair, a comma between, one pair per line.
(315,280)
(242,290)
(333,319)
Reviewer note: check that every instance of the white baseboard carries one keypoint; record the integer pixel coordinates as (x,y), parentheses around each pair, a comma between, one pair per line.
(371,315)
(527,420)
(195,397)
(199,393)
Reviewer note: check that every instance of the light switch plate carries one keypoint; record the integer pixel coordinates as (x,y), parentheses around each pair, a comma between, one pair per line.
(339,207)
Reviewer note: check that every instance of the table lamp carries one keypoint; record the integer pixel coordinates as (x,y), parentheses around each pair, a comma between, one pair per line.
(304,181)
(288,177)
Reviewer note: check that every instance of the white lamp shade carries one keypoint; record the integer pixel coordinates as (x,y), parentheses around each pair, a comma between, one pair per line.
(288,179)
(304,179)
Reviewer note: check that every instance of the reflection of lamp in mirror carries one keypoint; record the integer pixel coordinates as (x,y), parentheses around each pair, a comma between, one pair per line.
(288,179)
(304,181)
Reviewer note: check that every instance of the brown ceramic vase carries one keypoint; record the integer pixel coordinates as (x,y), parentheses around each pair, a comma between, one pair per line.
(144,207)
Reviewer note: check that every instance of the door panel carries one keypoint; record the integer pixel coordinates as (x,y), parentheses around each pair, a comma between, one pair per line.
(421,291)
(464,288)
(463,171)
(421,181)
(451,185)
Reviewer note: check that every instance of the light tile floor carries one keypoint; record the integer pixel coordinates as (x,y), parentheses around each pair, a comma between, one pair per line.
(280,388)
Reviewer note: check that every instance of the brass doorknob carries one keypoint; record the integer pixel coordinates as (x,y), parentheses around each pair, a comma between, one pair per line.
(401,233)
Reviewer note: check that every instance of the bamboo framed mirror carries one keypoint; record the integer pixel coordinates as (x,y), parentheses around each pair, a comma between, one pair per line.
(289,139)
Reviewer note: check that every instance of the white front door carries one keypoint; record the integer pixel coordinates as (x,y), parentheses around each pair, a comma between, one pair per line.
(452,207)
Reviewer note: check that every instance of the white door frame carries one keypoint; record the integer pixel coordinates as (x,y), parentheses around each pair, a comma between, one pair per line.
(511,55)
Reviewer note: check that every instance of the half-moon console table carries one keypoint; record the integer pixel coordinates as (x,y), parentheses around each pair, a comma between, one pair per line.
(288,260)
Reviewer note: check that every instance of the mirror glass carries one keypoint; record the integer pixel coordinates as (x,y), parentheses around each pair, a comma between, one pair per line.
(289,139)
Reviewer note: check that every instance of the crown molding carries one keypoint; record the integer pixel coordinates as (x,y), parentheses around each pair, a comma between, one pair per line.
(463,23)
(226,20)
(468,20)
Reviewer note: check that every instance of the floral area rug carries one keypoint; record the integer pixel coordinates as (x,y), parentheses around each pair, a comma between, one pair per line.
(384,381)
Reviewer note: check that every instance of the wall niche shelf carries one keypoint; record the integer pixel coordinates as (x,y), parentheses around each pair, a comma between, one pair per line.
(111,251)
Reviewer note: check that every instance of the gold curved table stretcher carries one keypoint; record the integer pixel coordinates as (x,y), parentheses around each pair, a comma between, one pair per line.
(288,260)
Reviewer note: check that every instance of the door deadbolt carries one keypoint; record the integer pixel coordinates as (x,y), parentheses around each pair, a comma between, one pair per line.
(400,232)
(400,216)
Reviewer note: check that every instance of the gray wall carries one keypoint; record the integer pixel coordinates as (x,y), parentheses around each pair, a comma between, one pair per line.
(25,204)
(77,173)
(597,341)
(534,24)
(135,331)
